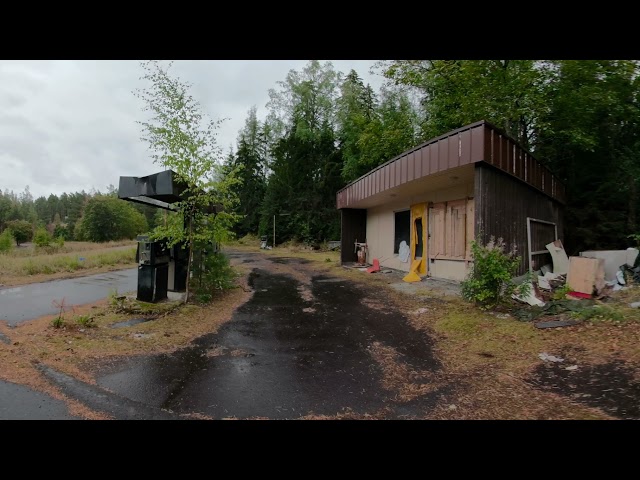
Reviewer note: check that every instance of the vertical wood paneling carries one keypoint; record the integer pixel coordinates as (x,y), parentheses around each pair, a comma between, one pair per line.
(398,173)
(417,157)
(403,169)
(411,166)
(480,145)
(386,176)
(453,146)
(502,206)
(434,152)
(465,147)
(443,146)
(470,226)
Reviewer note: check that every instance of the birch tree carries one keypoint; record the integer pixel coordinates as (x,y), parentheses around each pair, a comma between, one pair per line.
(182,138)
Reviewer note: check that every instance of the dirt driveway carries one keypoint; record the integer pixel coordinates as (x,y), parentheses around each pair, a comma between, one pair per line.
(306,345)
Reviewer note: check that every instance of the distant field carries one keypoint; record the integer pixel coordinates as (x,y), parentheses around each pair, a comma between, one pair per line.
(27,264)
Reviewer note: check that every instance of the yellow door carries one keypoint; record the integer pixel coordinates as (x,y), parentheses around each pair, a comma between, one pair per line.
(419,237)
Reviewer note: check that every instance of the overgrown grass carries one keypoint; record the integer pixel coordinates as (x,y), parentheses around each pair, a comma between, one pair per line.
(13,266)
(68,247)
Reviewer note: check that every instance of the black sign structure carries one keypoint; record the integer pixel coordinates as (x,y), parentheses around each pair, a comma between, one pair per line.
(160,190)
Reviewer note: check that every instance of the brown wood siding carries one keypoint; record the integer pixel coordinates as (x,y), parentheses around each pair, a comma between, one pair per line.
(502,205)
(411,170)
(465,147)
(353,227)
(453,160)
(478,142)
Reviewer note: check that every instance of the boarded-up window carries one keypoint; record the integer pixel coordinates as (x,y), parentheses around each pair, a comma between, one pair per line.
(437,230)
(457,228)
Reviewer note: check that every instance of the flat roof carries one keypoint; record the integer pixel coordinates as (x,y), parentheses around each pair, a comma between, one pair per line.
(473,143)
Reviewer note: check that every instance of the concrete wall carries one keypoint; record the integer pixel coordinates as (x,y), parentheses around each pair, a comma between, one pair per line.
(381,226)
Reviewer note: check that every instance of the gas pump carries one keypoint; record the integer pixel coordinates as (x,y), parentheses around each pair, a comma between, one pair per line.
(153,270)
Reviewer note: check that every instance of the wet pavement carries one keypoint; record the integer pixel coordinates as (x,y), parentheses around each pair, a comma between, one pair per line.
(18,402)
(26,302)
(294,349)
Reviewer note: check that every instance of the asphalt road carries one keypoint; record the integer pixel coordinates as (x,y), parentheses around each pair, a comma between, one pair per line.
(26,302)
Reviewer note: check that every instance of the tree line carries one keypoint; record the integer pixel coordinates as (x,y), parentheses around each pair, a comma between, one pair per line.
(82,216)
(324,129)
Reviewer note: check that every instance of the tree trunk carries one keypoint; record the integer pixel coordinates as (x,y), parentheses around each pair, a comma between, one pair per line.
(190,261)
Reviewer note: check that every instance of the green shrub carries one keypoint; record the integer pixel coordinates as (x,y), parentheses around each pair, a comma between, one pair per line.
(560,293)
(57,322)
(6,241)
(22,230)
(84,321)
(42,238)
(215,274)
(490,278)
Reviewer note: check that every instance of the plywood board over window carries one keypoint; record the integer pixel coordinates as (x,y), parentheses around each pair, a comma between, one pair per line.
(456,221)
(451,230)
(437,230)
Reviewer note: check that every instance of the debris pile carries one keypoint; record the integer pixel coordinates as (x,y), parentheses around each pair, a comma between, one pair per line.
(573,284)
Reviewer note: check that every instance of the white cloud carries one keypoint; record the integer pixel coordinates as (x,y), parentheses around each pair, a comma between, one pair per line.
(69,125)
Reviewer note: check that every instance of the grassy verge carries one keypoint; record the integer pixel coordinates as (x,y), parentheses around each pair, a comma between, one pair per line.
(21,269)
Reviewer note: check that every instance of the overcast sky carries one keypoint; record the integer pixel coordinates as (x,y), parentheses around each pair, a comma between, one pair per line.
(70,125)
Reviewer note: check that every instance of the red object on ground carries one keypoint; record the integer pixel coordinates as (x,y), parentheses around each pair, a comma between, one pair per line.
(375,267)
(580,295)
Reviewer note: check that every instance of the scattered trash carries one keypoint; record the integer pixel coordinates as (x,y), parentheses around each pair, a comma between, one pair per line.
(452,407)
(531,299)
(556,324)
(404,251)
(421,310)
(559,257)
(613,259)
(375,267)
(572,367)
(544,283)
(620,277)
(549,358)
(586,275)
(546,269)
(635,305)
(579,295)
(387,271)
(553,307)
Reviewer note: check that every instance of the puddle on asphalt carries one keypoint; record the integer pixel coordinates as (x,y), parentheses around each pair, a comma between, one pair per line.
(132,322)
(611,387)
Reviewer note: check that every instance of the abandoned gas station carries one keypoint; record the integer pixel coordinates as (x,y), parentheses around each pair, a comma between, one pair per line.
(420,210)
